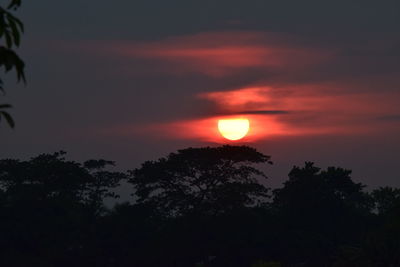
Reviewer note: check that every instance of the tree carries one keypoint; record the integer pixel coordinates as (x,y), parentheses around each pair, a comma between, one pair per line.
(318,211)
(50,178)
(311,187)
(381,247)
(386,199)
(50,208)
(101,184)
(209,180)
(11,29)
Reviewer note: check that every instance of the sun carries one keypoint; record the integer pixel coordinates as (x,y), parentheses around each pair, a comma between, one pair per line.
(234,129)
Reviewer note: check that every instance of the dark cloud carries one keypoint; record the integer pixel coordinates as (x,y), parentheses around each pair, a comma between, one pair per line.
(263,112)
(390,118)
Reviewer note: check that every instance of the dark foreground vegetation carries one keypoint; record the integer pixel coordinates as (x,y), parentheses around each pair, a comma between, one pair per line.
(196,207)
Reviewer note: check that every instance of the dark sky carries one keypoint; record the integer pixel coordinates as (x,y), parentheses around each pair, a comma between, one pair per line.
(134,80)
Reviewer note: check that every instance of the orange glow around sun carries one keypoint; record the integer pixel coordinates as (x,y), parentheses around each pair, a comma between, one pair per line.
(233,129)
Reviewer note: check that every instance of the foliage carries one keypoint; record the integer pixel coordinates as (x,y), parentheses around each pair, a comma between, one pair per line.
(50,177)
(201,180)
(319,210)
(4,114)
(386,199)
(52,213)
(11,29)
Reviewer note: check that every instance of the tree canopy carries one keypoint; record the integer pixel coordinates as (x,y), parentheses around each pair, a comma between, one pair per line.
(204,206)
(202,180)
(50,177)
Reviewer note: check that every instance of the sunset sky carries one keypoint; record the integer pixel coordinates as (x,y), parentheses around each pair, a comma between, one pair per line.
(134,80)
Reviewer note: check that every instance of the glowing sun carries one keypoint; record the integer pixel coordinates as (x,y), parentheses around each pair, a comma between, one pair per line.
(234,129)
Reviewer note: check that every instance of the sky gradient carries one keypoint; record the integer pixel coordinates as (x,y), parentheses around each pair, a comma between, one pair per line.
(134,81)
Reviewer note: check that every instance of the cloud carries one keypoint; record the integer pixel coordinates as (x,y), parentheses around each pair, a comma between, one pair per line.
(260,112)
(255,56)
(390,118)
(314,109)
(215,54)
(288,85)
(234,100)
(293,113)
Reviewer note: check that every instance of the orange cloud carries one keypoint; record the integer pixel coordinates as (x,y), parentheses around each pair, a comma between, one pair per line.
(299,99)
(307,110)
(241,99)
(214,53)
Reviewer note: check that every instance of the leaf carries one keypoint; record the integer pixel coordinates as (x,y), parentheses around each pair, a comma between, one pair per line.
(8,118)
(14,29)
(2,23)
(8,38)
(10,60)
(19,23)
(14,4)
(2,106)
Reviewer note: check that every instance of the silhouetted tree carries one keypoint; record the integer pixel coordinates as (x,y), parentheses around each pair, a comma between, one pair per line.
(386,199)
(101,183)
(199,206)
(381,247)
(318,211)
(202,180)
(50,207)
(11,29)
(51,176)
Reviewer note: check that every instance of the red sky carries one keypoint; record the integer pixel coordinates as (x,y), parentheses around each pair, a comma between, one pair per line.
(301,98)
(318,81)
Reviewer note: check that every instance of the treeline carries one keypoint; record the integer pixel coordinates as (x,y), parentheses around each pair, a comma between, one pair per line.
(196,207)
